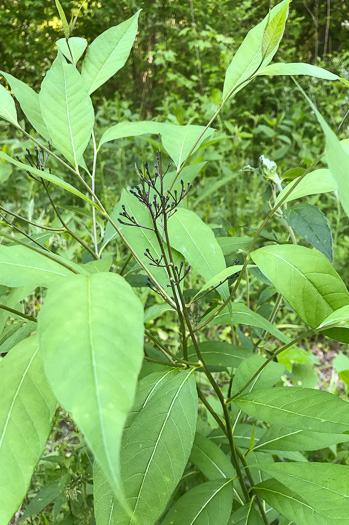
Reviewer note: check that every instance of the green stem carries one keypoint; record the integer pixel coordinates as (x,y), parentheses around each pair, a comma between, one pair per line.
(19,217)
(16,312)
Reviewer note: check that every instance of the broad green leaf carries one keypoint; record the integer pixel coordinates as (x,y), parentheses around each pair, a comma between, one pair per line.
(47,176)
(233,244)
(76,48)
(297,408)
(318,181)
(324,486)
(297,69)
(280,438)
(67,110)
(177,140)
(27,407)
(249,57)
(305,278)
(267,377)
(155,311)
(309,222)
(7,106)
(63,18)
(151,472)
(104,499)
(45,496)
(241,314)
(91,343)
(337,158)
(190,236)
(210,502)
(289,503)
(29,102)
(20,266)
(108,53)
(247,515)
(219,355)
(210,459)
(140,239)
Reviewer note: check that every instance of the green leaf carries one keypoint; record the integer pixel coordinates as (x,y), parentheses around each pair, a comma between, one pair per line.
(29,102)
(15,333)
(309,222)
(156,448)
(67,110)
(305,278)
(339,317)
(20,266)
(324,486)
(196,242)
(26,411)
(274,32)
(63,18)
(177,140)
(267,378)
(249,57)
(297,408)
(108,53)
(289,504)
(91,341)
(76,48)
(219,355)
(318,181)
(7,106)
(233,244)
(247,515)
(45,496)
(241,314)
(210,459)
(280,438)
(209,502)
(297,69)
(337,158)
(221,276)
(47,176)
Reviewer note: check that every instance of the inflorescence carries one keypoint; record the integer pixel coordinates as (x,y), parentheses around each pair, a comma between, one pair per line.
(38,162)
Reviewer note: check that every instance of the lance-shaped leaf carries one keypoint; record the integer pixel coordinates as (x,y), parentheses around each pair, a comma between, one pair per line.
(91,341)
(299,408)
(75,49)
(220,277)
(337,158)
(21,266)
(305,278)
(7,106)
(209,502)
(297,69)
(318,181)
(219,355)
(49,177)
(29,102)
(195,240)
(324,486)
(248,515)
(309,222)
(108,53)
(156,448)
(177,140)
(280,438)
(266,378)
(210,459)
(257,49)
(289,503)
(339,317)
(67,109)
(26,409)
(240,314)
(104,499)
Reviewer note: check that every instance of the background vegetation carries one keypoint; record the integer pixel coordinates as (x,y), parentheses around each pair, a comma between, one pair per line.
(175,73)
